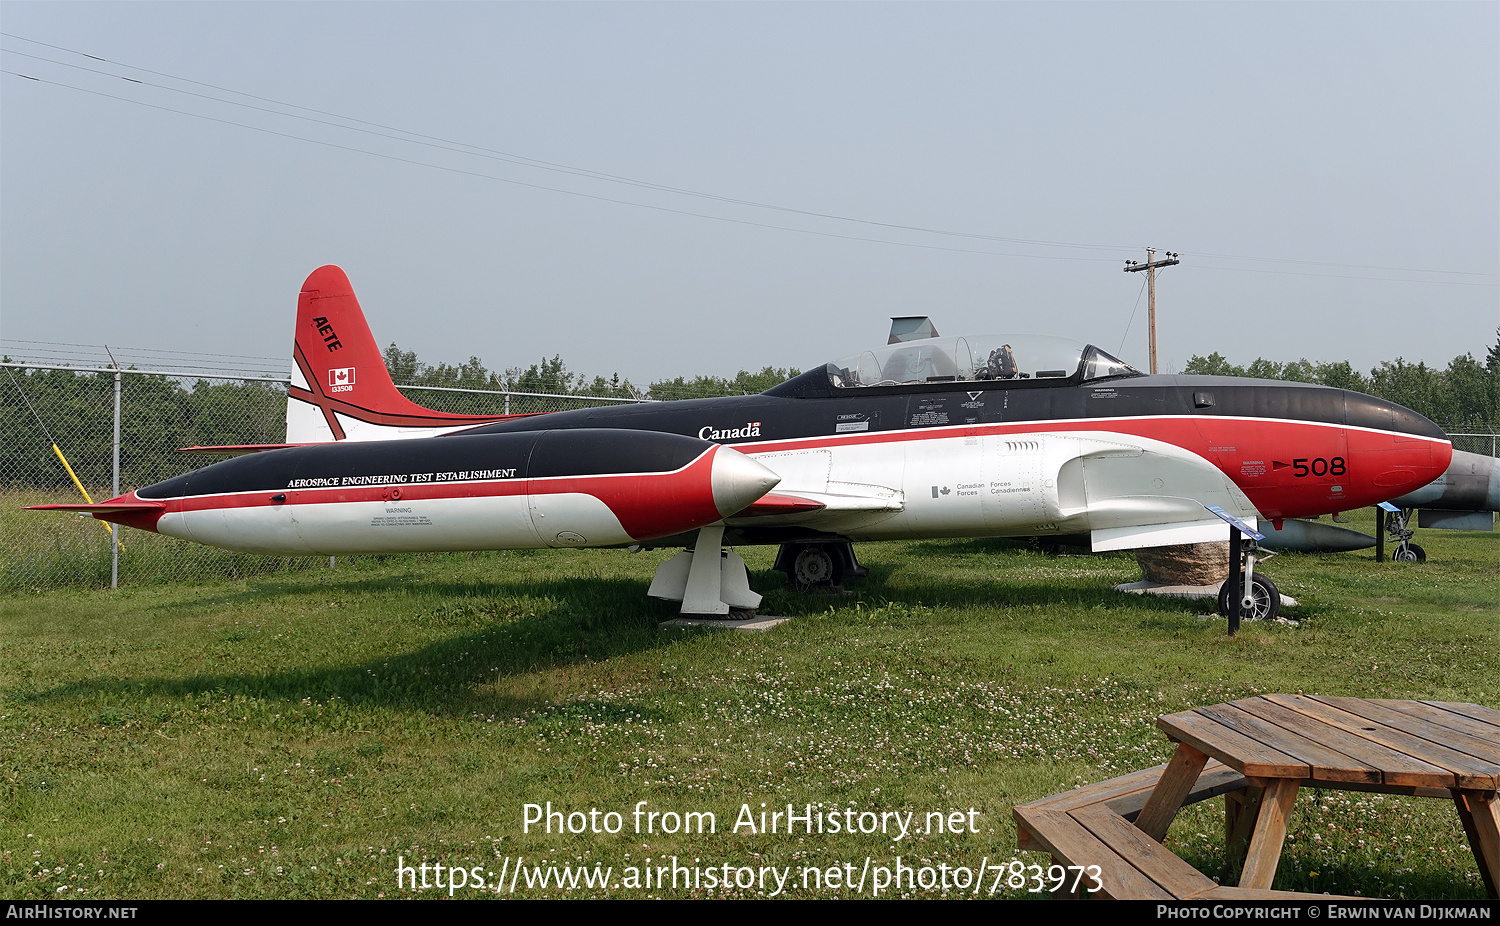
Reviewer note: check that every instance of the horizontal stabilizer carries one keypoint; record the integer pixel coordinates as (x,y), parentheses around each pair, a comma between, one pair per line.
(127,509)
(233,450)
(833,508)
(103,509)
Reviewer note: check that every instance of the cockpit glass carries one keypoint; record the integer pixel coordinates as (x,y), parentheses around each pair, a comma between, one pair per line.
(978,358)
(1101,365)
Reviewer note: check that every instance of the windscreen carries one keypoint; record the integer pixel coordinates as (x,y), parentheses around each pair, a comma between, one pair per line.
(977,358)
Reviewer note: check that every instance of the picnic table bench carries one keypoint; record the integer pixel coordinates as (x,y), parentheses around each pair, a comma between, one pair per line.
(1258,753)
(1093,825)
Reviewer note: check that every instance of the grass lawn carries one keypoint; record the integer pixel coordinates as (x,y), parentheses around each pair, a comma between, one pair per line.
(295,735)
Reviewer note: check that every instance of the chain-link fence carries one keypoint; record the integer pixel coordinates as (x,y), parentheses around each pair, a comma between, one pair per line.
(119,430)
(1486,444)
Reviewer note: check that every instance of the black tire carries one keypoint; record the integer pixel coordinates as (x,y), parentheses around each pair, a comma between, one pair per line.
(1412,554)
(815,565)
(1265,596)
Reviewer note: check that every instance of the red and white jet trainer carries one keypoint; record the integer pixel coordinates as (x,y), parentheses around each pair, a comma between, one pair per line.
(977,436)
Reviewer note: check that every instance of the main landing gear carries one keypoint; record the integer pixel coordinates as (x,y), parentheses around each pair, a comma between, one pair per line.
(819,564)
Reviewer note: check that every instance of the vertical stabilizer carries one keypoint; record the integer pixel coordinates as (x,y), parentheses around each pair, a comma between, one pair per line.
(340,388)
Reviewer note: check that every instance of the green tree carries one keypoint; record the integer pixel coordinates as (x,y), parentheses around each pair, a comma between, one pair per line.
(549,376)
(75,409)
(1414,385)
(1300,371)
(402,364)
(1341,375)
(614,388)
(1264,369)
(1472,392)
(236,413)
(1215,364)
(703,387)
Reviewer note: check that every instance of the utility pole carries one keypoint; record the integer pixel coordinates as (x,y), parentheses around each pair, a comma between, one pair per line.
(1150,267)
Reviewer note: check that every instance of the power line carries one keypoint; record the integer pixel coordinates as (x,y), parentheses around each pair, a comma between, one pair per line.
(188,363)
(538,186)
(1133,310)
(1345,276)
(142,350)
(1325,263)
(463,148)
(520,160)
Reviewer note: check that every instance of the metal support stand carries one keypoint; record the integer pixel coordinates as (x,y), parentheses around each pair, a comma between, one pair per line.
(114,529)
(1236,580)
(709,580)
(1379,534)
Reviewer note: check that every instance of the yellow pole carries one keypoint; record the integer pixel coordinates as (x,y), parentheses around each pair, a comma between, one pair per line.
(55,449)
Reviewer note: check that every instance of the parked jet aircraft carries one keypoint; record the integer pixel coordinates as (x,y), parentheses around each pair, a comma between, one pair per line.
(936,437)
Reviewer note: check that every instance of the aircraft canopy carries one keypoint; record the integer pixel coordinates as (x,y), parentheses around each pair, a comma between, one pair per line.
(978,358)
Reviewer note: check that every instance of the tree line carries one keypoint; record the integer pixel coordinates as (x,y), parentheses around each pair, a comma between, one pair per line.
(157,415)
(552,377)
(1463,398)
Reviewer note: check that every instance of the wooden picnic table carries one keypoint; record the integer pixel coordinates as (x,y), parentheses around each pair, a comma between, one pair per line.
(1281,743)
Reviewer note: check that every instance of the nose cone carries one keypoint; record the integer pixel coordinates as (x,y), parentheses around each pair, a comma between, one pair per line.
(1367,411)
(738,481)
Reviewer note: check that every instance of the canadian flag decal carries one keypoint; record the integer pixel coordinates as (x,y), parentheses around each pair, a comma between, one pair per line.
(341,379)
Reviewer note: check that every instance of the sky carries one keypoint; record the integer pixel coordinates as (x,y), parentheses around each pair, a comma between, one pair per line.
(663,189)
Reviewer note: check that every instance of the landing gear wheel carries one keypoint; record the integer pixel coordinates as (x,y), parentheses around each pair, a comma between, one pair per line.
(1411,553)
(814,566)
(1264,596)
(818,563)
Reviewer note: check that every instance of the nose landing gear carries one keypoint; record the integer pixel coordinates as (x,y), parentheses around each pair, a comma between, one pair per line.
(1397,525)
(1264,598)
(1246,594)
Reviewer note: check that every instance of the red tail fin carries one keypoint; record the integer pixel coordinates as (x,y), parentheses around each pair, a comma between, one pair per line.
(340,388)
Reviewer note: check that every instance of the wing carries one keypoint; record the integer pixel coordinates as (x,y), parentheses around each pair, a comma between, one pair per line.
(107,508)
(1138,492)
